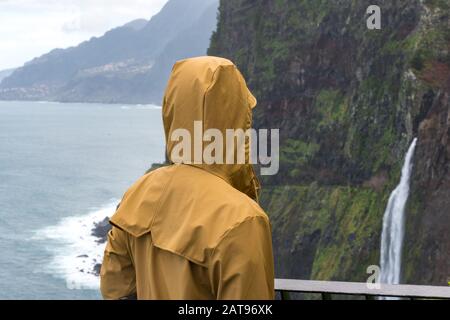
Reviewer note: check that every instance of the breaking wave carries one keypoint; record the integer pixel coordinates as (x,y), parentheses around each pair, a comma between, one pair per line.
(75,250)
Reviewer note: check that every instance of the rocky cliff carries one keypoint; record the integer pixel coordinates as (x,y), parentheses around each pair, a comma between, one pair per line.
(348,101)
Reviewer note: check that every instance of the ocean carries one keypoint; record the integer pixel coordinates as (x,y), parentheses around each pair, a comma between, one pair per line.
(63,167)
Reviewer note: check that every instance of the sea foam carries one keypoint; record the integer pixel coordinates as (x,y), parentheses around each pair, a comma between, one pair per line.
(75,250)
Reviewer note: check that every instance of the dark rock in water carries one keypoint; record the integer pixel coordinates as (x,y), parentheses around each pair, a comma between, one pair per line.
(83,256)
(101,230)
(97,268)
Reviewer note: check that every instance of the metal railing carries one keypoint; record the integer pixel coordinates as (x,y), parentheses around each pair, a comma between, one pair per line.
(329,288)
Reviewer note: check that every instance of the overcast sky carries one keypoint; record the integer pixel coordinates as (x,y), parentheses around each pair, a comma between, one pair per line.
(30,28)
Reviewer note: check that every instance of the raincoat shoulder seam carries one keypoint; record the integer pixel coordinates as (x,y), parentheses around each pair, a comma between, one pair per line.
(233,227)
(158,205)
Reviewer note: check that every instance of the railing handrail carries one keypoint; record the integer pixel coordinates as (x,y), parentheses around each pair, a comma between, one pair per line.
(364,289)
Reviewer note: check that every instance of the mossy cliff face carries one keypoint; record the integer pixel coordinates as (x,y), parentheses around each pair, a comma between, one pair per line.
(324,232)
(348,101)
(427,255)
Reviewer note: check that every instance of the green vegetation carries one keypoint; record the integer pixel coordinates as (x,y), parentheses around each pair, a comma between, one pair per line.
(341,221)
(298,152)
(332,106)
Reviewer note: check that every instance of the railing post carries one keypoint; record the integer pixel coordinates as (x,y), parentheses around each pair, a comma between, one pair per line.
(285,295)
(326,296)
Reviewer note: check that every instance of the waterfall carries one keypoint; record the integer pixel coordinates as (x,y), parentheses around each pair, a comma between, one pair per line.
(393,225)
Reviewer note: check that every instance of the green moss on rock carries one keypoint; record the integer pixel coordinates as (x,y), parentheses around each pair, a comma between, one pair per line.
(340,231)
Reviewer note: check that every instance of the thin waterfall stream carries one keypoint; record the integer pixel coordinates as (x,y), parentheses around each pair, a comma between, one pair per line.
(393,224)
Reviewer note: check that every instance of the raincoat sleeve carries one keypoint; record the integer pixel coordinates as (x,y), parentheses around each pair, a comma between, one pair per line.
(242,263)
(117,275)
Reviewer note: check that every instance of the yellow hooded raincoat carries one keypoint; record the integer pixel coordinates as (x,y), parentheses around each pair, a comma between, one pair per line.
(194,231)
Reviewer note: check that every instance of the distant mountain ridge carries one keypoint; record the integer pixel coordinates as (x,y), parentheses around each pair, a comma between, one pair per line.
(128,64)
(5,73)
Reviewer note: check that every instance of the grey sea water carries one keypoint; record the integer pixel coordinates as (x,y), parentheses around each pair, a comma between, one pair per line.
(63,167)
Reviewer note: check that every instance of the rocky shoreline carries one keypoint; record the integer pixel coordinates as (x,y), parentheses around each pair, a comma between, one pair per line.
(100,231)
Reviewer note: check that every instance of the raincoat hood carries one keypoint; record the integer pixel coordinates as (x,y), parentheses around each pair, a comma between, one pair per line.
(213,91)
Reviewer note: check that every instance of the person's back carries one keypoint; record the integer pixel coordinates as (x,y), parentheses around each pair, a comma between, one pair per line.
(192,230)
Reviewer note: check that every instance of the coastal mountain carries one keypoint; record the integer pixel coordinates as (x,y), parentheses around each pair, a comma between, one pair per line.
(129,64)
(5,73)
(348,102)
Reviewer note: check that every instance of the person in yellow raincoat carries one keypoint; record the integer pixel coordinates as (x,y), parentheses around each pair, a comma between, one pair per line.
(194,230)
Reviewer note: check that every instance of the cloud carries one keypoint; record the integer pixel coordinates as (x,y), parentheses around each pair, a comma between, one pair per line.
(29,28)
